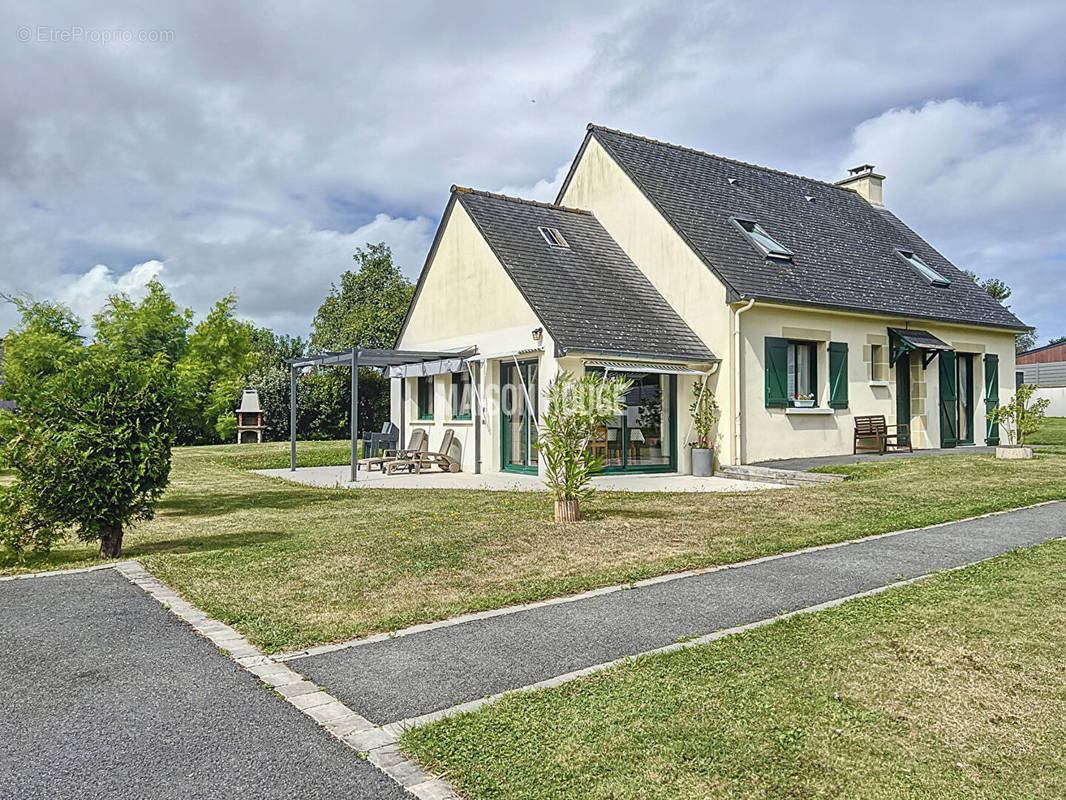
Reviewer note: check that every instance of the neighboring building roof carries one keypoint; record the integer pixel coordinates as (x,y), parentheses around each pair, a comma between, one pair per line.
(250,402)
(589,295)
(1044,355)
(843,248)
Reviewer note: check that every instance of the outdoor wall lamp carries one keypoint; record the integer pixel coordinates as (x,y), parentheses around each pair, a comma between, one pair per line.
(538,334)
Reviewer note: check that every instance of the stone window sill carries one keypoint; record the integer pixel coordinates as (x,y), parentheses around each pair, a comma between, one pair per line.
(815,411)
(879,383)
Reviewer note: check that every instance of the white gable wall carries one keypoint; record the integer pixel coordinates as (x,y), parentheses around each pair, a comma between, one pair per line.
(599,185)
(467,299)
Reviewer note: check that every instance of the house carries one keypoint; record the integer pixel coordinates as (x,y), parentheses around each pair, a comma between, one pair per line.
(804,303)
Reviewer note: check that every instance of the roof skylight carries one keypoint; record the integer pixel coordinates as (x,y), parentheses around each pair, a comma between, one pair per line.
(553,237)
(922,268)
(758,236)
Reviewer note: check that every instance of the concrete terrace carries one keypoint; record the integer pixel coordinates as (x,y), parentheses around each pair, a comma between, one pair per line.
(337,477)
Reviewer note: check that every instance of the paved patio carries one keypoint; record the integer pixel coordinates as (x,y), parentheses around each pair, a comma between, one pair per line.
(804,464)
(337,477)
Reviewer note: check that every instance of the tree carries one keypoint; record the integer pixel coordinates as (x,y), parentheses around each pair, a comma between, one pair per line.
(999,291)
(1020,416)
(142,330)
(92,438)
(1056,340)
(576,407)
(365,310)
(210,375)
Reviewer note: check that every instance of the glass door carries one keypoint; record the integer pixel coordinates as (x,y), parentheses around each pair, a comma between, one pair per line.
(964,364)
(518,426)
(641,438)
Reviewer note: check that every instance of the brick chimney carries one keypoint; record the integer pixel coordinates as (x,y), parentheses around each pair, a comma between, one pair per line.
(866,182)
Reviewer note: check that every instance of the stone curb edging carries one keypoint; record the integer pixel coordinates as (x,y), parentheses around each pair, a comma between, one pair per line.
(368,740)
(672,576)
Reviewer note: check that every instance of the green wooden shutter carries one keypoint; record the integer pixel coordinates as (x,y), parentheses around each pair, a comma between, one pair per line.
(949,400)
(991,397)
(838,374)
(776,372)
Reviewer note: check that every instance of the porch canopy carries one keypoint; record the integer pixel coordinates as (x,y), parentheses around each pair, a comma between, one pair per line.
(405,363)
(904,340)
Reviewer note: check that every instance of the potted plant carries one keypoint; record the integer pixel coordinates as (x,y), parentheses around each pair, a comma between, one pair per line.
(803,401)
(1018,419)
(705,415)
(576,407)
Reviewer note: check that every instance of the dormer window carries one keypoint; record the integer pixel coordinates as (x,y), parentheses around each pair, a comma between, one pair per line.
(766,243)
(915,262)
(553,237)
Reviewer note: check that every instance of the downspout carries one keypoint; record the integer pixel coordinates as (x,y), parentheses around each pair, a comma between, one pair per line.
(736,381)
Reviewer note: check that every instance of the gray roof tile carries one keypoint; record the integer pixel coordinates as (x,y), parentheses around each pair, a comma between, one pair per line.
(590,296)
(844,248)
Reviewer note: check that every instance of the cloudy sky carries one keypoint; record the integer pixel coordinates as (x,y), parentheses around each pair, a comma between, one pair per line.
(253,147)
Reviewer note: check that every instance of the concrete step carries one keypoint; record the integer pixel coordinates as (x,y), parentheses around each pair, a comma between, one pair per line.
(767,474)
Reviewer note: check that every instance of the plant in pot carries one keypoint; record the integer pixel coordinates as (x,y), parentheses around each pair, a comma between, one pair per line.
(1018,418)
(803,401)
(705,415)
(576,408)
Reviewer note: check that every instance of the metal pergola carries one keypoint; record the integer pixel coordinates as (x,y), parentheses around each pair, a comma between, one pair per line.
(358,357)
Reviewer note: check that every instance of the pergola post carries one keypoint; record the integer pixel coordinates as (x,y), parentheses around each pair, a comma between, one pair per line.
(355,409)
(292,418)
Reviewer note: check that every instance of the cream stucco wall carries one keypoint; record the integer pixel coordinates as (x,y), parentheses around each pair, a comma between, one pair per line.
(599,185)
(467,299)
(773,433)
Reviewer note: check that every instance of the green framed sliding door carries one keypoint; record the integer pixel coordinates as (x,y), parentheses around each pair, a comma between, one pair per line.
(518,427)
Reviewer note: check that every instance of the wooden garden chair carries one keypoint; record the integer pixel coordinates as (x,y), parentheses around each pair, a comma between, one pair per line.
(419,442)
(443,458)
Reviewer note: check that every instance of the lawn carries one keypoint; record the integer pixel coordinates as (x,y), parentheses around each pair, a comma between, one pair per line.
(291,565)
(1052,431)
(951,687)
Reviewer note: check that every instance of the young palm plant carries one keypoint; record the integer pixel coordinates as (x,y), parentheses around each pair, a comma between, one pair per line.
(576,407)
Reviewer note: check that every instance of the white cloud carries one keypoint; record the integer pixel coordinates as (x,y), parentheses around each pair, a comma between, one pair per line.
(984,184)
(545,190)
(86,295)
(257,141)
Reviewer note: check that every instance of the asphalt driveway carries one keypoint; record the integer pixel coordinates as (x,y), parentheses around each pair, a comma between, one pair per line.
(105,694)
(399,678)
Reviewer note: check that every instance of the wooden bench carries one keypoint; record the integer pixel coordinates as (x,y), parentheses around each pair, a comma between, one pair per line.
(874,427)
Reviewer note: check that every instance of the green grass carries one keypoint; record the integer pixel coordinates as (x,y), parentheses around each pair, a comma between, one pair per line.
(953,687)
(291,565)
(1052,431)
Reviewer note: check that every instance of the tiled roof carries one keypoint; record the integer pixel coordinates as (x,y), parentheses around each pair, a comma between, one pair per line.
(589,295)
(844,247)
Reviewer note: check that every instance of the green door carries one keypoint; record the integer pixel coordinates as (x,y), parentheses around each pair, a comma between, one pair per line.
(991,397)
(903,395)
(949,400)
(517,425)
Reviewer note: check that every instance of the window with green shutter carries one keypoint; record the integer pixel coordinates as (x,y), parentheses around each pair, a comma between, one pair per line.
(776,372)
(838,374)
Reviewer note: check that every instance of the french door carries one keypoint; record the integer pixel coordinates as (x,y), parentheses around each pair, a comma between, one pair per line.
(518,421)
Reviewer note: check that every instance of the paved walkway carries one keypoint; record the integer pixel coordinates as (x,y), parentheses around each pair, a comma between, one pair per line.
(106,694)
(804,464)
(399,678)
(338,477)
